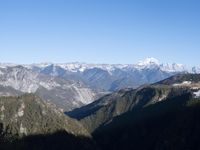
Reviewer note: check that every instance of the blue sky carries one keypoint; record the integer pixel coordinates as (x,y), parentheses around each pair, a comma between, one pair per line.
(99,31)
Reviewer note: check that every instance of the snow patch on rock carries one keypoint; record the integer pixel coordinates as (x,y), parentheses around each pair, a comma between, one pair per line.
(21,110)
(22,129)
(184,83)
(197,94)
(162,97)
(2,108)
(2,113)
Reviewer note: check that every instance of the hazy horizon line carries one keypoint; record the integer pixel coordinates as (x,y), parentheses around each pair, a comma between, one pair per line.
(92,63)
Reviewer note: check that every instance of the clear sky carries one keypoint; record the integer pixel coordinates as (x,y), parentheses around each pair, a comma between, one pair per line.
(99,31)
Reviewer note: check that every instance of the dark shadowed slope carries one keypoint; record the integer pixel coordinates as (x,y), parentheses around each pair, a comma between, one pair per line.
(167,125)
(27,122)
(105,109)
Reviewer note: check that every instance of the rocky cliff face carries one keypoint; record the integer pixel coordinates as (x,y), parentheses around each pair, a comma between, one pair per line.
(72,85)
(66,94)
(111,77)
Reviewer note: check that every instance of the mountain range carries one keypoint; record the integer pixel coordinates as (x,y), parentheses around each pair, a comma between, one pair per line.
(111,77)
(162,115)
(103,110)
(74,105)
(72,85)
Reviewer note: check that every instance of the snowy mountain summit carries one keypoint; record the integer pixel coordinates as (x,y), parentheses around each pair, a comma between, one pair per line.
(167,67)
(146,63)
(71,85)
(149,61)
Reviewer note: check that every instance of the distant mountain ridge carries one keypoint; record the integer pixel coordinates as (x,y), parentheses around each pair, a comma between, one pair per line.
(81,67)
(111,77)
(146,63)
(72,85)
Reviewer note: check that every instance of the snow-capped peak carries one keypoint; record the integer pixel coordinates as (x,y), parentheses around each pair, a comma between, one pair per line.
(75,67)
(149,61)
(174,67)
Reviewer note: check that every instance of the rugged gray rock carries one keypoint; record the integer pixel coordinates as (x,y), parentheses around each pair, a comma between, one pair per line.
(66,94)
(106,77)
(72,85)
